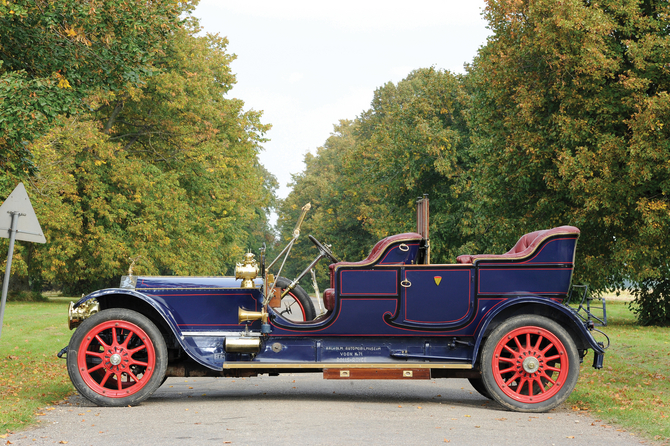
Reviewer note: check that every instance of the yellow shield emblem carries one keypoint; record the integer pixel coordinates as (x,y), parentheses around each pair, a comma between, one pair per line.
(438,279)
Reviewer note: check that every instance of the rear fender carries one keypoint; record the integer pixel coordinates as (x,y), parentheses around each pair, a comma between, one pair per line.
(545,307)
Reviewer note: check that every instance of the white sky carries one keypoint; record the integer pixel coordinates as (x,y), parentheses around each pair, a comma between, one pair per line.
(308,64)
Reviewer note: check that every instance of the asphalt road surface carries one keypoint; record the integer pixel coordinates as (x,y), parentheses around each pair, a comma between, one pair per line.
(307,410)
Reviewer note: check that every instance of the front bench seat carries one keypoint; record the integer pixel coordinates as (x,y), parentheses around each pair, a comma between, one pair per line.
(378,250)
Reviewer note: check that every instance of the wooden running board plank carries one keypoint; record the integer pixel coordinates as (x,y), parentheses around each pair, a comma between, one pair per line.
(376,373)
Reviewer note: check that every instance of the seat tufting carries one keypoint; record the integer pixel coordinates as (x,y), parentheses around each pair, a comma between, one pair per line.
(524,247)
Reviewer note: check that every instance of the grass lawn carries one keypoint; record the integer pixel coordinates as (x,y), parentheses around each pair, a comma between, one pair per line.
(633,388)
(31,375)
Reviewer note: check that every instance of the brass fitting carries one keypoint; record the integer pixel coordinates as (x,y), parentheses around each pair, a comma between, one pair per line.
(244,315)
(75,316)
(247,271)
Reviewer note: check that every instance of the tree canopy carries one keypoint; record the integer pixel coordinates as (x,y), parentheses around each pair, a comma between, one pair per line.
(363,183)
(133,150)
(56,56)
(569,103)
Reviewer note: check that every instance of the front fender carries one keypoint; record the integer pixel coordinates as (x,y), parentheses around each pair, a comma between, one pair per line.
(565,313)
(162,310)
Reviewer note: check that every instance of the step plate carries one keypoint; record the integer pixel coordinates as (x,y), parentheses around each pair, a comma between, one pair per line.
(376,373)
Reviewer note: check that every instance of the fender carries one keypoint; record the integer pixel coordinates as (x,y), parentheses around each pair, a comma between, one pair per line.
(577,324)
(161,309)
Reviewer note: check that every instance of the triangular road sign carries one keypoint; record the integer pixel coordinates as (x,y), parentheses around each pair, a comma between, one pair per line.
(28,227)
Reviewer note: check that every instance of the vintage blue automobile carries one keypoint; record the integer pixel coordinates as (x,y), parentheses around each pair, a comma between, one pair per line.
(498,320)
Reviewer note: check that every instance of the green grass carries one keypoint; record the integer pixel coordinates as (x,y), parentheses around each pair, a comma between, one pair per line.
(633,388)
(32,377)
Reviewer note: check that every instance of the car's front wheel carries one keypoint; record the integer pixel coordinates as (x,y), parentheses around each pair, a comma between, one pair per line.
(117,357)
(530,364)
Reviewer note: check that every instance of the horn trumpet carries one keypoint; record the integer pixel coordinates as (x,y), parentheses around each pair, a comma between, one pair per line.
(244,315)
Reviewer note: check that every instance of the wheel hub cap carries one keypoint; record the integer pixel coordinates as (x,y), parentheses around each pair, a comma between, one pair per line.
(531,364)
(115,359)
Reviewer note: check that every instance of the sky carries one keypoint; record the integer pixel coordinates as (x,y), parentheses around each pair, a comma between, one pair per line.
(307,64)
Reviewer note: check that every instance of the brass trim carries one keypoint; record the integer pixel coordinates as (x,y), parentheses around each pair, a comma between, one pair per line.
(344,365)
(247,271)
(75,316)
(244,315)
(242,345)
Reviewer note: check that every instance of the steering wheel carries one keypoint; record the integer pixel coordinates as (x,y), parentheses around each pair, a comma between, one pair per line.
(323,250)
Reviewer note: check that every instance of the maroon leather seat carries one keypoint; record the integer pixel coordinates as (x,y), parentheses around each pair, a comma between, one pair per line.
(524,247)
(374,256)
(329,299)
(378,250)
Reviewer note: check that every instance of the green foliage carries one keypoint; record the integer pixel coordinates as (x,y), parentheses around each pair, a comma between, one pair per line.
(55,55)
(153,165)
(364,181)
(25,296)
(569,102)
(413,141)
(652,301)
(326,185)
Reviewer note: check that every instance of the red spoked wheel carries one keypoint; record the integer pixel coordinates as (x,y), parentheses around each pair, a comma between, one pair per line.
(530,364)
(117,357)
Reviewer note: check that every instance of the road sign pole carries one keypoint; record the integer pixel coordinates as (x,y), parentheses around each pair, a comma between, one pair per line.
(8,270)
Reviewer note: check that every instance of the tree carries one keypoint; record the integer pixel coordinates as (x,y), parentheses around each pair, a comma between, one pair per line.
(363,183)
(182,123)
(414,140)
(55,55)
(164,173)
(569,102)
(334,218)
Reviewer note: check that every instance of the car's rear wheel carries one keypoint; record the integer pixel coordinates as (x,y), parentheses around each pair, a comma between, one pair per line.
(296,306)
(117,357)
(529,364)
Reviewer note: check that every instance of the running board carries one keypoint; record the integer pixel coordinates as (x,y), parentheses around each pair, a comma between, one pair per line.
(348,366)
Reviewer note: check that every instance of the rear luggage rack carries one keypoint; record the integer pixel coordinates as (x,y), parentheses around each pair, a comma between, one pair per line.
(585,312)
(587,305)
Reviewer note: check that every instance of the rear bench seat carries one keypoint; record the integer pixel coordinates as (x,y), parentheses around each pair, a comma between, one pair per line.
(524,247)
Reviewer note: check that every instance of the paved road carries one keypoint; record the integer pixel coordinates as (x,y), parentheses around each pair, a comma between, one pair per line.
(306,410)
